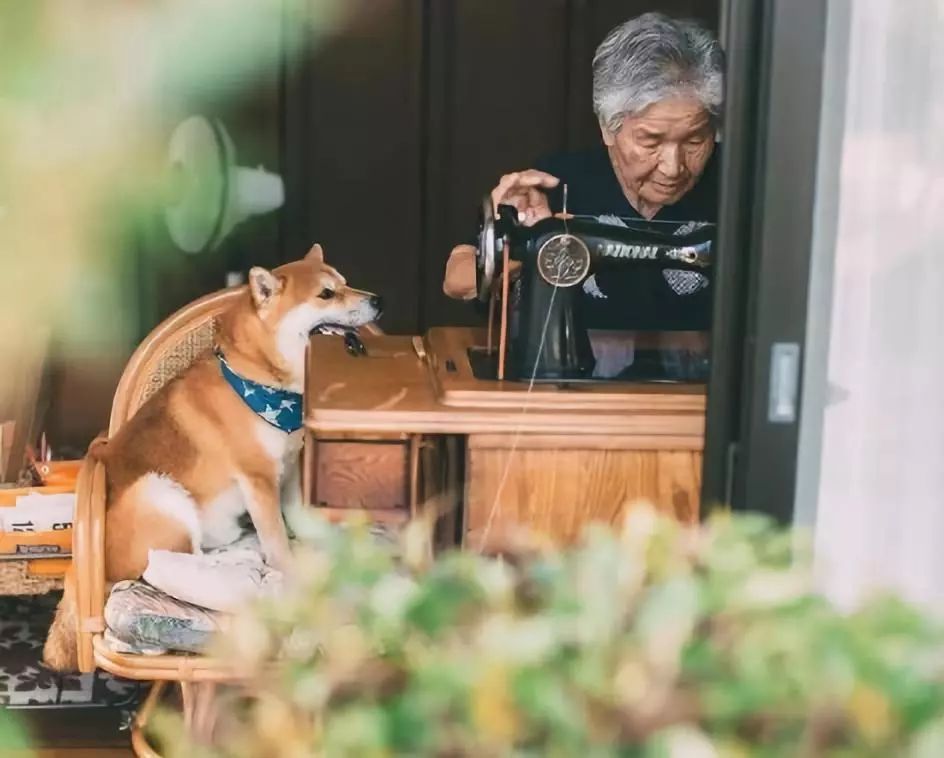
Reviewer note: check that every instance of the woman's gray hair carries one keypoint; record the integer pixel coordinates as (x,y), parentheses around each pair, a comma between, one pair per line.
(651,58)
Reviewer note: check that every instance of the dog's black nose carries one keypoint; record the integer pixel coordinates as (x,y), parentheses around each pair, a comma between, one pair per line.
(376,302)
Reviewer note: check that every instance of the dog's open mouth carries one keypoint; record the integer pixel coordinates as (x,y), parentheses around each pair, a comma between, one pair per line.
(352,343)
(335,329)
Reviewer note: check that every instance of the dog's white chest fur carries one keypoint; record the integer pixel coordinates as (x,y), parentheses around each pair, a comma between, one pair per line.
(281,448)
(220,517)
(217,522)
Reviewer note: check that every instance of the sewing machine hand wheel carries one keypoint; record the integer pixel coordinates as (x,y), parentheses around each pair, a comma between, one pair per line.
(492,230)
(486,257)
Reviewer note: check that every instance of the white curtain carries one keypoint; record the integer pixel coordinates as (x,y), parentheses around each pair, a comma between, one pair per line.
(871,468)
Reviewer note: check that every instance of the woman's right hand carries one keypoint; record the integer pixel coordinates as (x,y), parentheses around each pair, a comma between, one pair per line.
(525,191)
(460,281)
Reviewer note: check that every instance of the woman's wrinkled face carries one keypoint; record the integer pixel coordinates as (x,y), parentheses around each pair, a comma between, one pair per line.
(659,153)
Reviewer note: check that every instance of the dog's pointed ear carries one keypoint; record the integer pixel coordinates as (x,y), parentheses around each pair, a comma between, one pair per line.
(316,254)
(264,286)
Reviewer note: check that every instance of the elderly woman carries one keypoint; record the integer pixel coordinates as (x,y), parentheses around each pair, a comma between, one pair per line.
(657,93)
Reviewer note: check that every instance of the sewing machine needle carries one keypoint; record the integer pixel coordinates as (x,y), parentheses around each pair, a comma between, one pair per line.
(564,215)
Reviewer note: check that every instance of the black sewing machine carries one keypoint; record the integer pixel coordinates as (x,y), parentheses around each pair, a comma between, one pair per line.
(546,317)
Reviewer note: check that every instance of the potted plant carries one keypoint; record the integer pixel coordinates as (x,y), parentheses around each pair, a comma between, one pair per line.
(654,640)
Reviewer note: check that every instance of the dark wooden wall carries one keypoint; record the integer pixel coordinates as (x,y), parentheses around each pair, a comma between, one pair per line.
(414,110)
(389,131)
(387,134)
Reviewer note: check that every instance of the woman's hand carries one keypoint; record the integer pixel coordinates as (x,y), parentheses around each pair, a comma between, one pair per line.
(460,281)
(524,190)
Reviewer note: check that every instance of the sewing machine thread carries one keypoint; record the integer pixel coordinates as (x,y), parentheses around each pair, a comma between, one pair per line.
(524,409)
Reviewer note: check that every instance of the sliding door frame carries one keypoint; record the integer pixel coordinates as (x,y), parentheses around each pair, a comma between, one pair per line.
(771,139)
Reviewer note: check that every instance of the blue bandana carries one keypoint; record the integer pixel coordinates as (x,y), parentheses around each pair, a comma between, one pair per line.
(281,408)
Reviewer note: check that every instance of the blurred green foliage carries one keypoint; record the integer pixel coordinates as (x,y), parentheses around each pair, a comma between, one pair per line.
(13,738)
(90,91)
(659,640)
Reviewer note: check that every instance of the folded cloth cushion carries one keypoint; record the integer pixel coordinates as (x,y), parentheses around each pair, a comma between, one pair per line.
(222,579)
(142,619)
(184,599)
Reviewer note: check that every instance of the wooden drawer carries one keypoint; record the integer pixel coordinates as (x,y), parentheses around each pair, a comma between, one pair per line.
(387,477)
(362,474)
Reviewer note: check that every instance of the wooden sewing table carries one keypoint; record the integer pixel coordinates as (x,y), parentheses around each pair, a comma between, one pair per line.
(409,422)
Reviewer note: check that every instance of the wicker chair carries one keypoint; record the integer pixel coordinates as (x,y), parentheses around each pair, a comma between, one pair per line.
(164,354)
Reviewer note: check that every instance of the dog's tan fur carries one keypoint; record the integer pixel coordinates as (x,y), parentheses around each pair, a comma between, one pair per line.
(195,456)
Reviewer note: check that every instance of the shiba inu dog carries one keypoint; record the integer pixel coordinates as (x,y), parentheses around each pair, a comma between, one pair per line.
(222,439)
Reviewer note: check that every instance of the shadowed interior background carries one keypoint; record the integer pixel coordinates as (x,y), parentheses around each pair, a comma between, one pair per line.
(386,134)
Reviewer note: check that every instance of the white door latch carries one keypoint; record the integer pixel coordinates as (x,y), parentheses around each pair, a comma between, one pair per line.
(784,382)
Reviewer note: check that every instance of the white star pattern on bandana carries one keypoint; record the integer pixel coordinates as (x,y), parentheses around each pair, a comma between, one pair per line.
(277,406)
(271,414)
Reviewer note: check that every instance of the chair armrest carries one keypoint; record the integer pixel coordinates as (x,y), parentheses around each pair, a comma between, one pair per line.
(88,557)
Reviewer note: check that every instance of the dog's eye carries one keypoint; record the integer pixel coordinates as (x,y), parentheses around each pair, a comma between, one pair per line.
(326,294)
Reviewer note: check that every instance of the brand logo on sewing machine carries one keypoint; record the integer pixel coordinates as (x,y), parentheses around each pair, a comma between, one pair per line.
(563,260)
(695,254)
(636,252)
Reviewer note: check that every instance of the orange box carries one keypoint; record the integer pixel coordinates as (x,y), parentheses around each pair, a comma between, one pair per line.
(48,567)
(60,478)
(30,544)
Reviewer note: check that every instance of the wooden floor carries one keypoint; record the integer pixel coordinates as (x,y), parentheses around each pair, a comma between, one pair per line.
(76,733)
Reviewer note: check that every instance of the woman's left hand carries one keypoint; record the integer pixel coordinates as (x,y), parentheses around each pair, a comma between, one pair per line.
(525,191)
